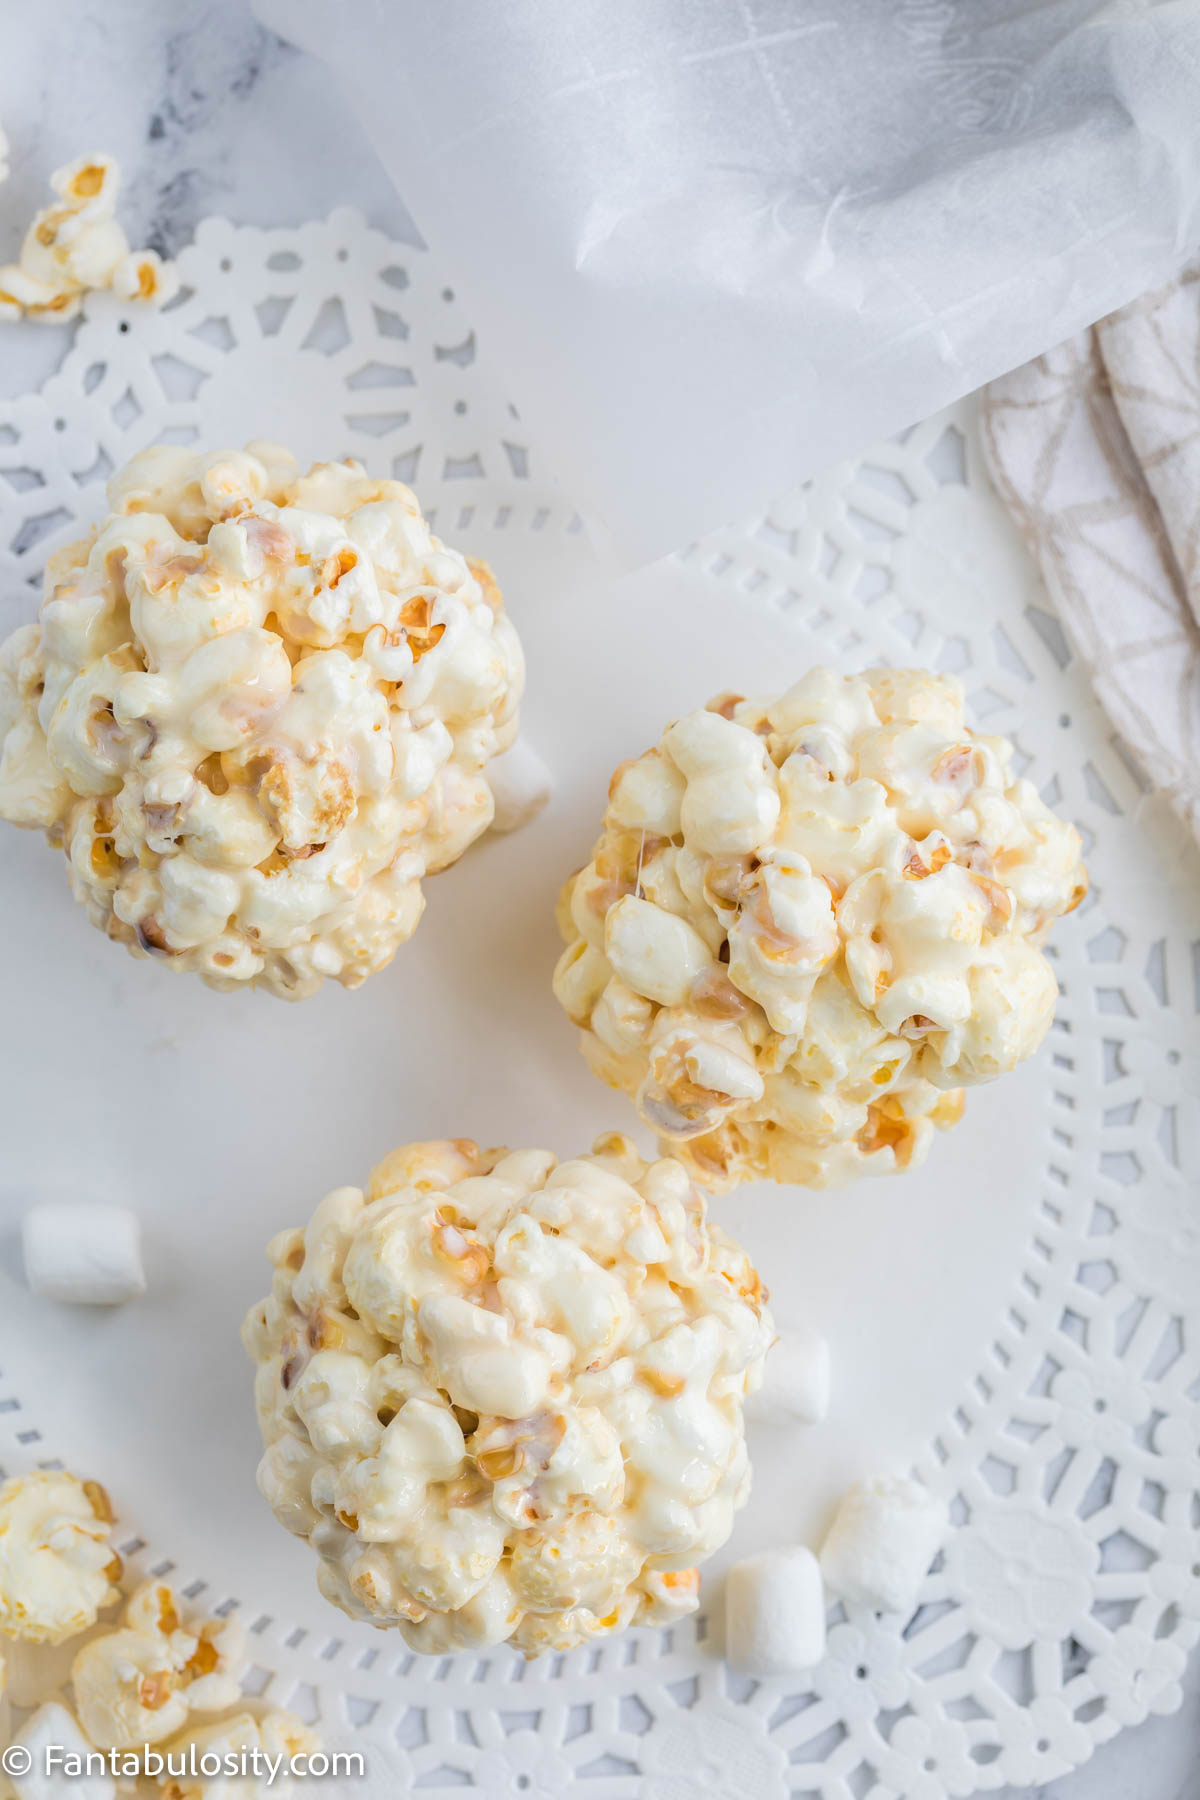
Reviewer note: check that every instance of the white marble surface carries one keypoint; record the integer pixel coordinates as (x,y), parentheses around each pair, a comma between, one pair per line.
(208,113)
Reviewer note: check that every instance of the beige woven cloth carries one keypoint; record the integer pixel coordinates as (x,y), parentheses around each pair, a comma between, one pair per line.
(1096,449)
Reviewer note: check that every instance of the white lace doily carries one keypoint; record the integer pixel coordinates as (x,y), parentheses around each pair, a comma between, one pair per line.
(1068,1593)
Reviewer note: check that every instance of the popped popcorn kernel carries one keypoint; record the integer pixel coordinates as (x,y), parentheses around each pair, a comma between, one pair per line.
(142,1682)
(811,922)
(143,275)
(58,1568)
(257,709)
(502,1396)
(77,245)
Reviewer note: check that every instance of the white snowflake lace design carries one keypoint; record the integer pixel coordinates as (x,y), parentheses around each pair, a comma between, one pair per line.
(1068,1595)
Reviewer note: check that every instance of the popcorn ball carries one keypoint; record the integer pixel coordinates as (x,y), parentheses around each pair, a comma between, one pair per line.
(142,1683)
(57,1565)
(810,922)
(256,711)
(502,1398)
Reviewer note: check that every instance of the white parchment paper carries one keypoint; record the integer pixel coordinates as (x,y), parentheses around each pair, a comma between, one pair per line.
(722,243)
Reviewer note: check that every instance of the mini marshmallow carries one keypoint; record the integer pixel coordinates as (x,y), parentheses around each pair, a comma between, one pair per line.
(86,1254)
(883,1538)
(775,1613)
(520,784)
(795,1381)
(52,1726)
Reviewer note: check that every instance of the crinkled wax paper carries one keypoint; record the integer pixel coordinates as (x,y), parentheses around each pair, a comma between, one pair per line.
(718,244)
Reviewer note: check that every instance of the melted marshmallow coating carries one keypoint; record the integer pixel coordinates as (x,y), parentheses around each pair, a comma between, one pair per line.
(256,710)
(810,922)
(502,1399)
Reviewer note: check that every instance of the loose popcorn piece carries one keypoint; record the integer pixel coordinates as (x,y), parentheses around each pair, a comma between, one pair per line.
(134,1684)
(84,1254)
(57,1566)
(142,1683)
(795,1382)
(520,784)
(503,1399)
(256,712)
(884,1536)
(143,275)
(45,303)
(52,1727)
(77,244)
(775,1613)
(810,922)
(279,1735)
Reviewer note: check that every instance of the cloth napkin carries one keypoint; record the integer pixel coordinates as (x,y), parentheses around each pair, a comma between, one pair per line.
(1096,449)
